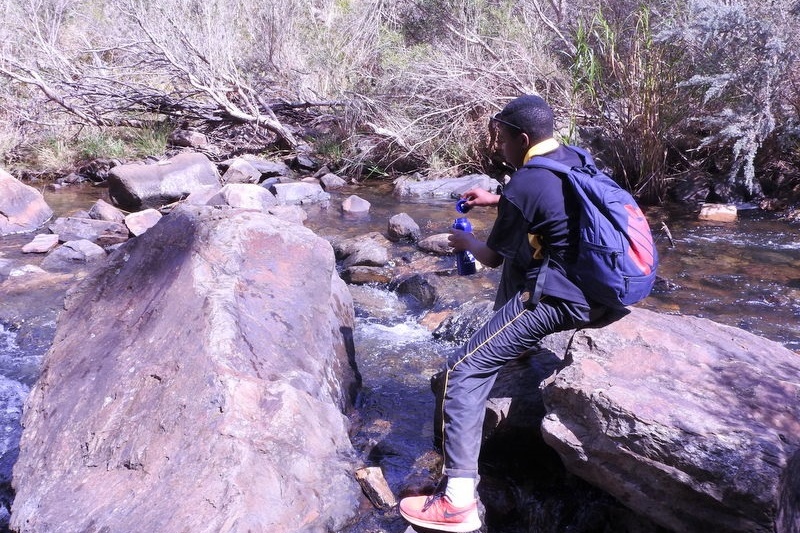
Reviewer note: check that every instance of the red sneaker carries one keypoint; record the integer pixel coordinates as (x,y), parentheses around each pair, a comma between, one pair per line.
(436,512)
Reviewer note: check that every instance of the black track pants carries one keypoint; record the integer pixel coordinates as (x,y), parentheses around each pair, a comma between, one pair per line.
(472,369)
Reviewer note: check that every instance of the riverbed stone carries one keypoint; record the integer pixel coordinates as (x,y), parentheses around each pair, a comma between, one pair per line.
(22,208)
(141,221)
(438,244)
(299,193)
(331,181)
(360,275)
(101,232)
(686,421)
(718,213)
(136,186)
(290,213)
(241,171)
(202,195)
(412,187)
(102,210)
(354,204)
(41,244)
(73,254)
(244,196)
(267,168)
(210,394)
(403,228)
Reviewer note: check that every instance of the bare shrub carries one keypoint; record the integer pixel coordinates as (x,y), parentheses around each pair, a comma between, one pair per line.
(449,66)
(741,53)
(131,63)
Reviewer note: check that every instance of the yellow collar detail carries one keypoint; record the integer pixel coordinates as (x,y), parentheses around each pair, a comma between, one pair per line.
(541,148)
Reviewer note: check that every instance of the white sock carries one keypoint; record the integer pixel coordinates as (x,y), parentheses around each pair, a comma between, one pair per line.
(460,490)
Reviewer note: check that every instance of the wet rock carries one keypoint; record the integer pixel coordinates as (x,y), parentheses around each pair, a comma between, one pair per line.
(403,228)
(409,187)
(244,196)
(436,244)
(299,193)
(788,518)
(41,244)
(141,221)
(684,420)
(419,287)
(347,247)
(73,254)
(718,213)
(375,487)
(370,252)
(464,321)
(241,171)
(360,275)
(355,204)
(12,398)
(101,232)
(136,187)
(331,181)
(210,395)
(102,210)
(22,208)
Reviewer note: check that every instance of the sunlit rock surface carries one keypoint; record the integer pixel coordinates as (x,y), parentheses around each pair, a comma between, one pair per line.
(196,383)
(688,422)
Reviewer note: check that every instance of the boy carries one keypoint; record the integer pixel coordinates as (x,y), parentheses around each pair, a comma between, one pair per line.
(536,212)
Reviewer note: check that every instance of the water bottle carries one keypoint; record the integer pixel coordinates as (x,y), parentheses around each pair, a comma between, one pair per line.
(465,261)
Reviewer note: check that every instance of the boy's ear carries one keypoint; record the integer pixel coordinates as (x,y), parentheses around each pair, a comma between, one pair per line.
(526,140)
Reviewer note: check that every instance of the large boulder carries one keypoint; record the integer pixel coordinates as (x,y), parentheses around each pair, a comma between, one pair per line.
(22,208)
(134,187)
(196,383)
(685,421)
(413,187)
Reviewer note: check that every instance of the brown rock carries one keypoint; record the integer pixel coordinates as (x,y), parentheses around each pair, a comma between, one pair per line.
(142,221)
(209,394)
(686,421)
(22,208)
(718,213)
(136,187)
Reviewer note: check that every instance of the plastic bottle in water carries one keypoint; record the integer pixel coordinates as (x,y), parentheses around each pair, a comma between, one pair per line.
(465,261)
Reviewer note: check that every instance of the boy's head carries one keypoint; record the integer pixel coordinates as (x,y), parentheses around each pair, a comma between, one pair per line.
(524,122)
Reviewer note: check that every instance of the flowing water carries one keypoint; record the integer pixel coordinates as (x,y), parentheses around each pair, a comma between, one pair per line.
(745,274)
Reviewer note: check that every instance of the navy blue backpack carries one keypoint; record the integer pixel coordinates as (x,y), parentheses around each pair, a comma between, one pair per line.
(617,258)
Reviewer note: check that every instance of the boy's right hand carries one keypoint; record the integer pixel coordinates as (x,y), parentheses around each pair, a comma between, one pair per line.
(481,197)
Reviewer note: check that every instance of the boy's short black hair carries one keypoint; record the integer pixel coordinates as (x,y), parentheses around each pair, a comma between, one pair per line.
(530,114)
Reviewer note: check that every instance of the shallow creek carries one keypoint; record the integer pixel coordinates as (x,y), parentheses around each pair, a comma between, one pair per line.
(745,274)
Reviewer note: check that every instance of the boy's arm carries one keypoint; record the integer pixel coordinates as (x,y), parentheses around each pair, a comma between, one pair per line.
(481,197)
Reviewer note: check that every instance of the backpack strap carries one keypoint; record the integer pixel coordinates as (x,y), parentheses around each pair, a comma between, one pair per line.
(559,169)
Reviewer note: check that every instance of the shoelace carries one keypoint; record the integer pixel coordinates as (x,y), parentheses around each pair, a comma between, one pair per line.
(431,500)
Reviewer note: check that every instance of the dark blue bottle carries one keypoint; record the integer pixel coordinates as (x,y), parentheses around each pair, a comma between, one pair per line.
(465,261)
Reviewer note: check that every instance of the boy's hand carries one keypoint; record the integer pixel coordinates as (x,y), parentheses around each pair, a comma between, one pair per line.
(481,197)
(461,240)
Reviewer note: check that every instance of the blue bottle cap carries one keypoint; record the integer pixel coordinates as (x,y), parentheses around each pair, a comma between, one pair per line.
(462,207)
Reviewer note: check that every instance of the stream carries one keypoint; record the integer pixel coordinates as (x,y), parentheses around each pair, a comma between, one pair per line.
(744,274)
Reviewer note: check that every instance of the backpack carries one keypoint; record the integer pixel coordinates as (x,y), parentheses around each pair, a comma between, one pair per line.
(617,258)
